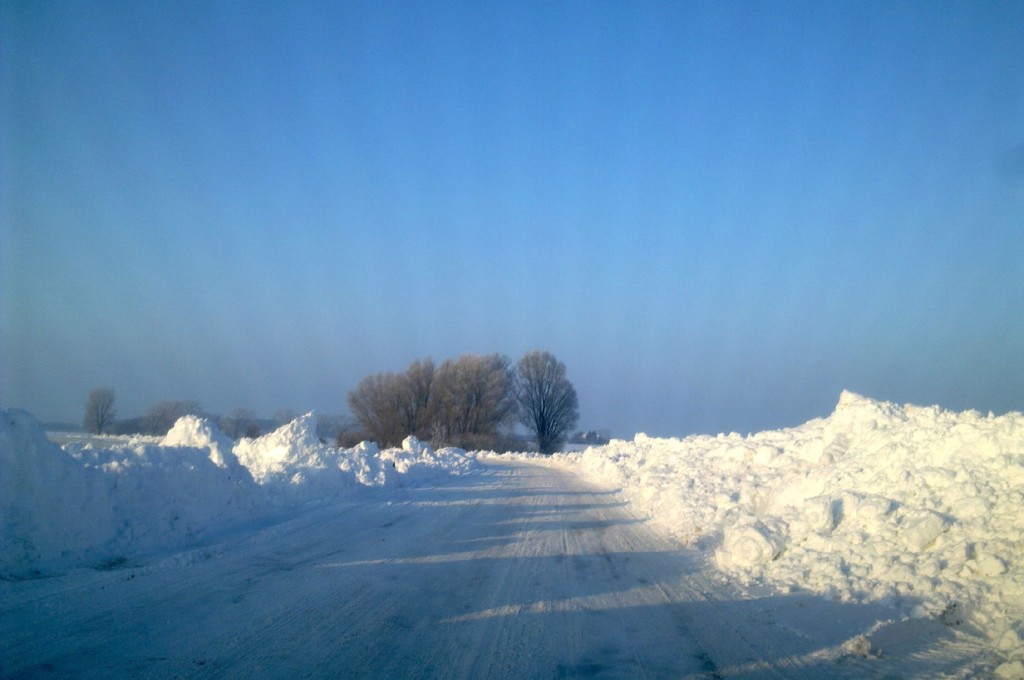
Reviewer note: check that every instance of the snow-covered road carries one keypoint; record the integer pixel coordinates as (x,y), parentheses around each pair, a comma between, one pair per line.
(516,571)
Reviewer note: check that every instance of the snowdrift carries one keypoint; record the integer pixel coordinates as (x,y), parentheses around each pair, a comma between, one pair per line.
(82,505)
(50,504)
(918,508)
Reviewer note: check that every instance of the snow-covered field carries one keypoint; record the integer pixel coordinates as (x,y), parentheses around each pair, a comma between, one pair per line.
(914,511)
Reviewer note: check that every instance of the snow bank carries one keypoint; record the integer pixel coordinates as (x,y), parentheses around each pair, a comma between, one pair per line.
(50,505)
(292,461)
(915,507)
(61,507)
(418,461)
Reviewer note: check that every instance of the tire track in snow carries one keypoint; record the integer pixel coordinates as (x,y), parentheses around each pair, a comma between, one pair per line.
(519,571)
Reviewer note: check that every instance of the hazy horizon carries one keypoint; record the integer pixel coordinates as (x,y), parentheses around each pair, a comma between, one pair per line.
(718,216)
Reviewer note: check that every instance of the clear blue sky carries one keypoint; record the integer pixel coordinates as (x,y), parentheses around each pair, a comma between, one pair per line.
(718,214)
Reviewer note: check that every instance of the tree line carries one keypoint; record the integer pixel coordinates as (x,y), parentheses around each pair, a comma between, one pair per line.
(473,402)
(101,415)
(101,418)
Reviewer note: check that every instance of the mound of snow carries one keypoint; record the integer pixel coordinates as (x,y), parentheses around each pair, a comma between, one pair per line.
(165,495)
(292,462)
(919,508)
(750,542)
(200,433)
(417,460)
(81,504)
(51,509)
(284,455)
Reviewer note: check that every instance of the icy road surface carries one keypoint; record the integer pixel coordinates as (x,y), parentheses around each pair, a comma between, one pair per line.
(519,571)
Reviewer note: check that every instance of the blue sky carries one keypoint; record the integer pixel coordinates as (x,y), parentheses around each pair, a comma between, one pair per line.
(718,215)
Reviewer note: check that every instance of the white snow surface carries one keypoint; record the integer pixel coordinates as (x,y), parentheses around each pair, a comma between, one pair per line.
(80,505)
(915,508)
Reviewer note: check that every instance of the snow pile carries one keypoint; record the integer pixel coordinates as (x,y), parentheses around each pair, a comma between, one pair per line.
(293,461)
(918,508)
(61,507)
(418,461)
(161,495)
(50,506)
(200,433)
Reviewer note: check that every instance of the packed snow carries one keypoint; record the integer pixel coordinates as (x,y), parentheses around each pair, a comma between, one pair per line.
(914,509)
(84,506)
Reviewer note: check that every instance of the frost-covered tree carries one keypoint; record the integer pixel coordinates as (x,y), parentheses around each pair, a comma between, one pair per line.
(377,403)
(473,400)
(417,402)
(546,400)
(99,410)
(463,402)
(391,406)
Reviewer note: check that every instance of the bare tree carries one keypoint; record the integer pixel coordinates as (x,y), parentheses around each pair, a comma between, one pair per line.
(348,439)
(391,406)
(473,399)
(377,403)
(465,402)
(161,417)
(99,410)
(547,400)
(417,403)
(330,427)
(239,422)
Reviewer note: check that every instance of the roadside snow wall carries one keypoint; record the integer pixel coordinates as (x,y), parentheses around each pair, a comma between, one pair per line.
(918,508)
(51,506)
(80,505)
